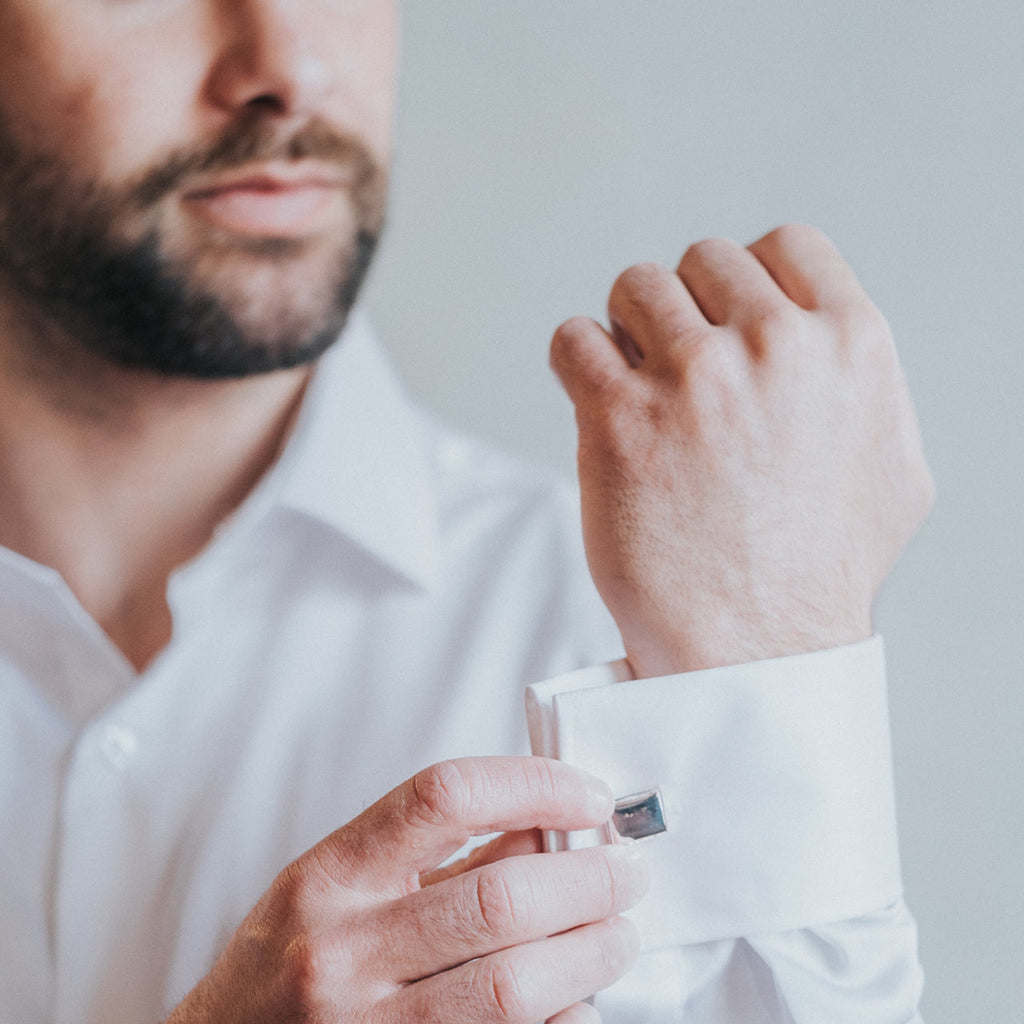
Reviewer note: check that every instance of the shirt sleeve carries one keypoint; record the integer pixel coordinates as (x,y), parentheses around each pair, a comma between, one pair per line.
(776,893)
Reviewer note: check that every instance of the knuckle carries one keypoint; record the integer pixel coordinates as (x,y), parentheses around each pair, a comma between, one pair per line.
(496,905)
(638,278)
(442,793)
(785,236)
(540,777)
(504,991)
(635,288)
(569,339)
(306,976)
(574,328)
(705,251)
(575,357)
(611,884)
(789,238)
(617,948)
(606,960)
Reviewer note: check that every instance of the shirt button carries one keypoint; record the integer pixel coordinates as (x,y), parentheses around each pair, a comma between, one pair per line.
(118,745)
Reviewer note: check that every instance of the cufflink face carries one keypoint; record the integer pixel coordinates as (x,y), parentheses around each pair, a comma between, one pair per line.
(640,815)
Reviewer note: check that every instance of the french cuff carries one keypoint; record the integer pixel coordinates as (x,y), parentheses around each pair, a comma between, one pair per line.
(774,781)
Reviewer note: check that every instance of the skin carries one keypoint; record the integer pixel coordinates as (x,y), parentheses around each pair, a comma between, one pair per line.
(744,426)
(115,477)
(749,462)
(363,928)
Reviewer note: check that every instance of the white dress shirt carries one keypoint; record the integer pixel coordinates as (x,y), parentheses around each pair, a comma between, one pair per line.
(379,603)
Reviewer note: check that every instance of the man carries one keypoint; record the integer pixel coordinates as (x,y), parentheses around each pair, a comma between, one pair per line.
(245,589)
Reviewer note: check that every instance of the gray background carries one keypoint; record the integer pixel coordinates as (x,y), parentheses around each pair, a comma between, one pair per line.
(543,147)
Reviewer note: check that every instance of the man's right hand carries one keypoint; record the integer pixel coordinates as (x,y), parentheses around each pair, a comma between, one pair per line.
(366,927)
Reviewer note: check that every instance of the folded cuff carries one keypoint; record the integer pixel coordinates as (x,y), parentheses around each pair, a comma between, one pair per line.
(775,777)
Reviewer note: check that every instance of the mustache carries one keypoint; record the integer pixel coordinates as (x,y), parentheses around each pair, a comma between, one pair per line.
(257,140)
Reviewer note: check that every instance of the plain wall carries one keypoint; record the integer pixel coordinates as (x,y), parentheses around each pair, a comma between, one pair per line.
(543,147)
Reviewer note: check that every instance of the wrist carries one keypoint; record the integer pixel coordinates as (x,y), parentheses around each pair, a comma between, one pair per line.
(651,657)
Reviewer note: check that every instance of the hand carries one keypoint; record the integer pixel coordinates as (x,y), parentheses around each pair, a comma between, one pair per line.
(749,458)
(366,928)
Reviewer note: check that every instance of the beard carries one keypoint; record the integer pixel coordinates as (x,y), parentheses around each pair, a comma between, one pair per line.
(93,262)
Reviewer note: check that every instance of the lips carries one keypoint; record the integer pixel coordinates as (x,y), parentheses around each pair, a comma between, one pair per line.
(268,205)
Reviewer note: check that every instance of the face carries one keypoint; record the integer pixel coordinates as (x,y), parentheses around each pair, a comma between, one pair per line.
(193,186)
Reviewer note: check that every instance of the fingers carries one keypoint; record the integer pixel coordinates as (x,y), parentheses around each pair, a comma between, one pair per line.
(649,310)
(580,1013)
(808,267)
(652,306)
(503,905)
(728,282)
(508,844)
(426,819)
(586,359)
(527,983)
(758,292)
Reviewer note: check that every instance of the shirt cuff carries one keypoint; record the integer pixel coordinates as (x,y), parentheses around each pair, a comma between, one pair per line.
(775,778)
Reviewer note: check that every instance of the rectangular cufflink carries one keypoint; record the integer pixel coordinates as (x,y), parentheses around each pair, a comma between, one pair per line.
(640,815)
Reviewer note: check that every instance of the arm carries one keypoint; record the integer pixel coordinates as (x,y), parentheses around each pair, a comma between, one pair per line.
(750,467)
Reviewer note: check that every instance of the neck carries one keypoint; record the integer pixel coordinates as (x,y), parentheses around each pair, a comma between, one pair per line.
(116,477)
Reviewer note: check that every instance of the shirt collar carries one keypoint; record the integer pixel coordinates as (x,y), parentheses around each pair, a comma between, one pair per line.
(358,459)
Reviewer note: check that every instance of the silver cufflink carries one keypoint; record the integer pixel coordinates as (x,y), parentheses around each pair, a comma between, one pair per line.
(640,815)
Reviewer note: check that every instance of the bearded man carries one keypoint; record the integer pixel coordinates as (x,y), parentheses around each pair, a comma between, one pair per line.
(245,587)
